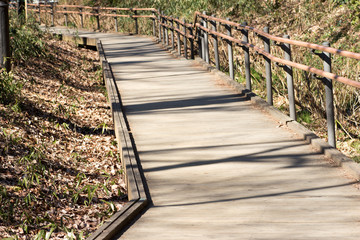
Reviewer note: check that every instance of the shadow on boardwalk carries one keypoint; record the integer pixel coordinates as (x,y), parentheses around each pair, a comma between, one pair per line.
(217,168)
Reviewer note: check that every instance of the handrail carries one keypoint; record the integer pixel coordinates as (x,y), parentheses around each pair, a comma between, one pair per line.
(100,8)
(103,14)
(41,4)
(175,20)
(96,8)
(237,26)
(177,30)
(286,62)
(280,39)
(196,32)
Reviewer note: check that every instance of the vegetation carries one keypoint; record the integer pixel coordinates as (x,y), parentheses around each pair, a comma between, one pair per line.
(60,173)
(26,43)
(55,124)
(9,88)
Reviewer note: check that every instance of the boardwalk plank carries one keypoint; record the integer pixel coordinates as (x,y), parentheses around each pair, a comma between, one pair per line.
(216,167)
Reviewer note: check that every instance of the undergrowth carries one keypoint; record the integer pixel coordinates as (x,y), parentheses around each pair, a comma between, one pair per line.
(60,173)
(26,40)
(9,88)
(25,43)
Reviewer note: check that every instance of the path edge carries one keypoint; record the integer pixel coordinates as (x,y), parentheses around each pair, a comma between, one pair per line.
(137,197)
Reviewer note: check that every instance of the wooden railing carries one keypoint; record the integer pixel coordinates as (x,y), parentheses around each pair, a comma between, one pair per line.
(55,10)
(279,40)
(203,27)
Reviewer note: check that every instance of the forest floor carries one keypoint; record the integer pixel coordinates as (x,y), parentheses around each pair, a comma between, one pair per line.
(60,172)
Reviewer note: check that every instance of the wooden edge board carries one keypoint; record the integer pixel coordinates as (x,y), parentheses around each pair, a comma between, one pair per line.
(122,140)
(122,132)
(137,198)
(119,220)
(136,190)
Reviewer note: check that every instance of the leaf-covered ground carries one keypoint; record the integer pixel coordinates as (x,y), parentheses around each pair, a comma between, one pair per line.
(60,174)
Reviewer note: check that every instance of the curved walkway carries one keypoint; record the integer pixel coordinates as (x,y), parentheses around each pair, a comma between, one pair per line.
(216,167)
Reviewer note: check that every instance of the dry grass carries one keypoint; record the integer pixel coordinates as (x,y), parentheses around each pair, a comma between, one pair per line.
(60,170)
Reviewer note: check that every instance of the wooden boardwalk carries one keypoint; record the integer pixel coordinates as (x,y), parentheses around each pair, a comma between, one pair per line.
(217,167)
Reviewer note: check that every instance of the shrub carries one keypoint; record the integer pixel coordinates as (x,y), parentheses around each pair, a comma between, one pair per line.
(9,88)
(25,41)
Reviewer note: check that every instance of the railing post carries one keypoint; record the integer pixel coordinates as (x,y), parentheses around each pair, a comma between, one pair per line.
(39,6)
(81,17)
(289,78)
(172,33)
(66,17)
(178,38)
(154,25)
(116,22)
(185,39)
(97,11)
(192,54)
(167,33)
(159,22)
(216,47)
(326,57)
(136,23)
(203,55)
(26,11)
(246,57)
(269,94)
(163,27)
(206,40)
(230,51)
(199,42)
(4,33)
(52,13)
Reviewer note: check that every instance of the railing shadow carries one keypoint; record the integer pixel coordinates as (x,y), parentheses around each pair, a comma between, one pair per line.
(270,195)
(297,160)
